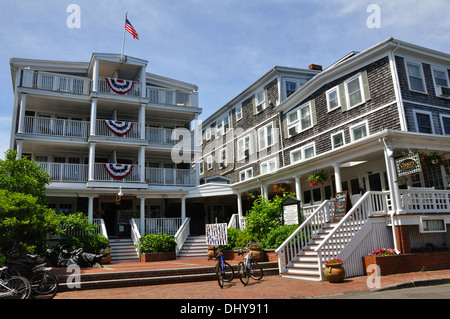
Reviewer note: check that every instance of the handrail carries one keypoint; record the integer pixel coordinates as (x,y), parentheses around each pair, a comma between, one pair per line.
(182,233)
(299,238)
(370,203)
(135,236)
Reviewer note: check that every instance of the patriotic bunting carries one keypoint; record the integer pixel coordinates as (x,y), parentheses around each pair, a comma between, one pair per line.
(118,171)
(120,86)
(118,127)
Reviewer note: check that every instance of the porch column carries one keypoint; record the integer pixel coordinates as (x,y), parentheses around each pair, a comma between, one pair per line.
(264,192)
(93,116)
(95,73)
(142,216)
(183,209)
(197,145)
(23,102)
(143,80)
(91,161)
(298,188)
(90,208)
(141,162)
(142,121)
(19,148)
(337,177)
(239,206)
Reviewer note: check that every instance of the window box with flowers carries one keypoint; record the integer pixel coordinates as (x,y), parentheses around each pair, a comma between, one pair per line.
(317,178)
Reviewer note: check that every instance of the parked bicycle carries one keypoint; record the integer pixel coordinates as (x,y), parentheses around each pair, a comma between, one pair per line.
(224,271)
(248,268)
(13,287)
(44,280)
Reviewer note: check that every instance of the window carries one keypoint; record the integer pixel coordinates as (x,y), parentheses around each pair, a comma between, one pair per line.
(354,93)
(208,133)
(238,113)
(292,123)
(260,101)
(247,174)
(423,122)
(303,153)
(445,122)
(201,167)
(432,225)
(415,76)
(244,147)
(291,87)
(223,125)
(265,136)
(269,166)
(358,131)
(441,80)
(223,157)
(209,162)
(337,139)
(305,117)
(299,120)
(333,101)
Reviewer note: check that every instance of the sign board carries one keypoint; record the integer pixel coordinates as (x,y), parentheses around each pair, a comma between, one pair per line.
(216,234)
(408,165)
(342,204)
(291,211)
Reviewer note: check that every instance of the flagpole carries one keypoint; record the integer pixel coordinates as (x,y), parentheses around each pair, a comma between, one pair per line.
(123,40)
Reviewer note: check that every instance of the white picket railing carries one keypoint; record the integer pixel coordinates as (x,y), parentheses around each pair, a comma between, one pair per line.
(182,233)
(102,175)
(426,201)
(159,135)
(169,176)
(169,97)
(162,225)
(56,127)
(102,129)
(56,82)
(65,172)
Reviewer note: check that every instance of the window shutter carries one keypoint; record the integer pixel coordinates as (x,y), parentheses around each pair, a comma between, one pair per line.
(365,82)
(342,97)
(312,103)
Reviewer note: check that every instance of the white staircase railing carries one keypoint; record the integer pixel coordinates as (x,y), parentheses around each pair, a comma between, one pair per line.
(135,235)
(182,233)
(331,246)
(305,232)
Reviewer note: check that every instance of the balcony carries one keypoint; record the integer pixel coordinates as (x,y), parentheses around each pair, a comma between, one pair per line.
(56,127)
(158,135)
(103,87)
(170,177)
(102,129)
(56,82)
(64,172)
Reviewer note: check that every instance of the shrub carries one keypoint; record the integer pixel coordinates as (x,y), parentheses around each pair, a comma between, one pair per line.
(278,235)
(92,243)
(153,243)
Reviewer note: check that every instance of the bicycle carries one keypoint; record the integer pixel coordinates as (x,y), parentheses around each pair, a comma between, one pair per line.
(224,271)
(13,287)
(44,280)
(248,268)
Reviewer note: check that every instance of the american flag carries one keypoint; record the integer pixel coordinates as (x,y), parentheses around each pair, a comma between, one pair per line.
(130,29)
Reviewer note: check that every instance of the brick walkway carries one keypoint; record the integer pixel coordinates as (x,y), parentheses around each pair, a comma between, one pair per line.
(273,287)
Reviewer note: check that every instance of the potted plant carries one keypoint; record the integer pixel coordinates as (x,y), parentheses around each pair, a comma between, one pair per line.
(431,160)
(333,271)
(252,195)
(107,258)
(280,188)
(318,177)
(211,251)
(256,251)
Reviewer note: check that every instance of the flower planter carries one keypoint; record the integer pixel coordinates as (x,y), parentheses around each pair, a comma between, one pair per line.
(257,253)
(408,262)
(269,255)
(334,272)
(106,260)
(149,257)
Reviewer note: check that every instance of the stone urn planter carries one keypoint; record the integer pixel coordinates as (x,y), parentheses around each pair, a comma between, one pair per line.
(211,252)
(334,272)
(106,260)
(257,253)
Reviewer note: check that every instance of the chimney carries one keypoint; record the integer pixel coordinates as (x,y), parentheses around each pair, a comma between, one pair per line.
(315,67)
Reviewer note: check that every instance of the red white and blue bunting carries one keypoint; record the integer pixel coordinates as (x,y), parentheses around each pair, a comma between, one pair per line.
(118,127)
(120,86)
(118,171)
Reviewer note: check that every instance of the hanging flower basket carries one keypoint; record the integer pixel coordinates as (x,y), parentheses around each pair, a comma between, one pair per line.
(252,195)
(318,178)
(432,160)
(281,188)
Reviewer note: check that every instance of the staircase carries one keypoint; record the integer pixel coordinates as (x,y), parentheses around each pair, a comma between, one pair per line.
(123,250)
(305,264)
(195,247)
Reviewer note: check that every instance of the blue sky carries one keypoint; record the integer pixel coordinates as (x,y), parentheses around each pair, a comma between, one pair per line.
(220,45)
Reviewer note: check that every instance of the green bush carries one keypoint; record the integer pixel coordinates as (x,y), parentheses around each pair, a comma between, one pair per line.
(153,243)
(90,243)
(278,235)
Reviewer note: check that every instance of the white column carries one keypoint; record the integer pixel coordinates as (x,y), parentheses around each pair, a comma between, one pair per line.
(91,161)
(95,74)
(142,217)
(183,209)
(23,102)
(93,116)
(143,80)
(90,208)
(197,148)
(337,176)
(142,120)
(239,205)
(19,148)
(141,162)
(298,188)
(264,192)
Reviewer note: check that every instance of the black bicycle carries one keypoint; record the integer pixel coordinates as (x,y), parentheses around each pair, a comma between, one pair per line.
(224,271)
(44,280)
(248,268)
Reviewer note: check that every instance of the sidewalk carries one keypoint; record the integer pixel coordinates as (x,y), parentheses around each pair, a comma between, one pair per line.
(270,287)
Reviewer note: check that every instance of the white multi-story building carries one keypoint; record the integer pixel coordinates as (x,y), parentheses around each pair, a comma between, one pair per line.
(105,127)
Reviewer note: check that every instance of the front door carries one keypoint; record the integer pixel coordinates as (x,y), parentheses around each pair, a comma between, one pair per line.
(375,182)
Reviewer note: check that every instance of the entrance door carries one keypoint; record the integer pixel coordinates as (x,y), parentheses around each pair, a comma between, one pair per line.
(375,182)
(110,218)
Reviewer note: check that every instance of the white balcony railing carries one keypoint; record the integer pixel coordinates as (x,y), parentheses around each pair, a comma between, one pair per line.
(65,172)
(159,135)
(103,87)
(101,174)
(169,177)
(170,97)
(102,129)
(55,127)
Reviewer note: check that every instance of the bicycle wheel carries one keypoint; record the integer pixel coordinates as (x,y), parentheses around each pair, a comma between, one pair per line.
(20,287)
(219,274)
(255,270)
(228,272)
(243,274)
(44,285)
